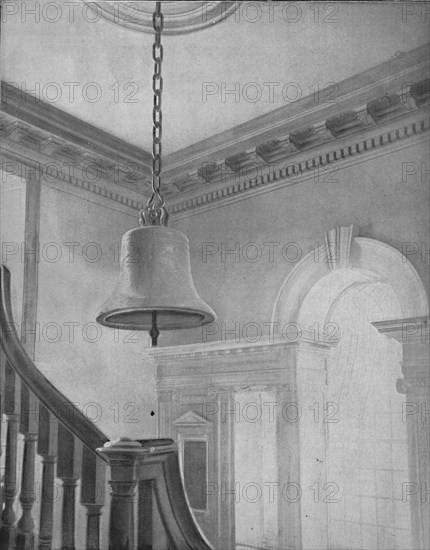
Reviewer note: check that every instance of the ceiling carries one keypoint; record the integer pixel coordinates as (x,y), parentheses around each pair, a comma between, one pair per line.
(262,49)
(179,17)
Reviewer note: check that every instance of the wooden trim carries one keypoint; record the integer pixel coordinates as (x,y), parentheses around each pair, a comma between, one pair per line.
(31,263)
(133,461)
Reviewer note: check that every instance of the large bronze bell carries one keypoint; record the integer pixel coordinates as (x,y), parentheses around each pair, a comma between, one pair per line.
(155,288)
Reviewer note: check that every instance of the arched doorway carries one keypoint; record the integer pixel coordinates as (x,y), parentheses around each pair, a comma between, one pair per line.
(336,293)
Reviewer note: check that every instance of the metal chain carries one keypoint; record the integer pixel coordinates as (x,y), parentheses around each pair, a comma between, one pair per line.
(157,88)
(155,213)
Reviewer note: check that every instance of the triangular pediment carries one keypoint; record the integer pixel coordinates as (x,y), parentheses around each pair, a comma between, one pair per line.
(190,418)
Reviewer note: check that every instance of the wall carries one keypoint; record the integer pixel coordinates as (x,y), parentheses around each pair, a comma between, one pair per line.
(106,372)
(12,222)
(242,286)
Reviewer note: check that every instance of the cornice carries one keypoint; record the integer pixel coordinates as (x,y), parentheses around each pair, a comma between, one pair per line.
(354,94)
(368,114)
(63,172)
(412,330)
(376,112)
(413,333)
(64,128)
(36,135)
(231,366)
(295,170)
(230,348)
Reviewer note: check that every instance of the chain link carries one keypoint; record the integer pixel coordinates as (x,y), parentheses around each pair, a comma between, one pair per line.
(155,213)
(157,88)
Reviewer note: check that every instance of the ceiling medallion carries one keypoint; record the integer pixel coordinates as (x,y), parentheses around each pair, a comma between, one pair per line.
(179,17)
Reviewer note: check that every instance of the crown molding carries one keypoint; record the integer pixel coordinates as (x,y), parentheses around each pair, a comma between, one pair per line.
(60,169)
(66,128)
(370,111)
(378,111)
(203,350)
(34,132)
(406,331)
(316,164)
(67,153)
(351,97)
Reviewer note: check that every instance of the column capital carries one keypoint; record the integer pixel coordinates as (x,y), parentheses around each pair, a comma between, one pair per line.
(413,334)
(413,330)
(165,396)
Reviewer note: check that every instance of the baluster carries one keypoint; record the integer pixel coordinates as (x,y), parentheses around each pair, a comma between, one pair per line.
(47,449)
(29,403)
(12,405)
(29,428)
(93,494)
(69,471)
(2,389)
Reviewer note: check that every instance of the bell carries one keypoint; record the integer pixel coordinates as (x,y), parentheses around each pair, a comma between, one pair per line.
(155,288)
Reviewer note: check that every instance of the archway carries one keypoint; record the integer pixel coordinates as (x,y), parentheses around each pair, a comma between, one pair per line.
(361,260)
(335,294)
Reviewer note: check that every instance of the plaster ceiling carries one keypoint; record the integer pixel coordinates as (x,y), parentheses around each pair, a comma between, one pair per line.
(102,72)
(179,17)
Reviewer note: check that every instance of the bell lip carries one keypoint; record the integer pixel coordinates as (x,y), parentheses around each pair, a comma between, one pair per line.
(206,318)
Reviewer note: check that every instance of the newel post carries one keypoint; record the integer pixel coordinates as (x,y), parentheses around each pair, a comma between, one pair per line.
(123,456)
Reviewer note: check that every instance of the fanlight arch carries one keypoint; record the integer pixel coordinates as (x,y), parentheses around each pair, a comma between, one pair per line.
(312,288)
(358,282)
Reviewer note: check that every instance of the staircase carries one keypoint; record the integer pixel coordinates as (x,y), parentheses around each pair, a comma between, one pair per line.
(39,421)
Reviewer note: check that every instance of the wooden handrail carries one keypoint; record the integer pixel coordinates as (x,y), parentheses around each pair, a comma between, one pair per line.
(56,403)
(173,505)
(132,464)
(155,461)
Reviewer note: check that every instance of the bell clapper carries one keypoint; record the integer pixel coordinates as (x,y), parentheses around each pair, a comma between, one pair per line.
(154,332)
(155,291)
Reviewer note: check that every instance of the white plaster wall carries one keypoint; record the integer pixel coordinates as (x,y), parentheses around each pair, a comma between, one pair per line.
(105,372)
(375,195)
(256,481)
(12,226)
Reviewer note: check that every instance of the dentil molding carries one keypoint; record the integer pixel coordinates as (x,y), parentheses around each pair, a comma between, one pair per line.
(377,111)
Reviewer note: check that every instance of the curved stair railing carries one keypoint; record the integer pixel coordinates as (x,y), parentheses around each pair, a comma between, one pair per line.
(72,449)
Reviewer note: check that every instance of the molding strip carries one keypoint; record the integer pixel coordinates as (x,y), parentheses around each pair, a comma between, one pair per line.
(376,111)
(294,172)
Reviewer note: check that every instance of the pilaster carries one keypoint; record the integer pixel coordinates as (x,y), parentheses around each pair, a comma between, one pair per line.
(413,334)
